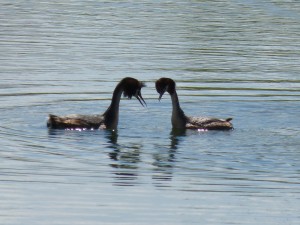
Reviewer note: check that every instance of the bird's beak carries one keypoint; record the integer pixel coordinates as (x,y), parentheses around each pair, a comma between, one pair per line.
(139,97)
(160,96)
(162,93)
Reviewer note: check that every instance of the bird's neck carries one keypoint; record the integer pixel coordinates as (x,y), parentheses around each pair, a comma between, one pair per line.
(111,115)
(178,116)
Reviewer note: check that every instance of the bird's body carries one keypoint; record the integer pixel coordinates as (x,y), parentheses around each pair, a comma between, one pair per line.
(180,120)
(208,123)
(74,121)
(108,120)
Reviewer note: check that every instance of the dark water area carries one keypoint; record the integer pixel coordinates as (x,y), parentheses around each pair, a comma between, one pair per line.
(237,59)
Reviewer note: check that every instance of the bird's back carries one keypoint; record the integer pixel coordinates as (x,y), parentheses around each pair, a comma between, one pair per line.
(209,123)
(74,121)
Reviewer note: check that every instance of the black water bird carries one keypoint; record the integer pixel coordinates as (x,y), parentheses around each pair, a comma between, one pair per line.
(109,119)
(180,120)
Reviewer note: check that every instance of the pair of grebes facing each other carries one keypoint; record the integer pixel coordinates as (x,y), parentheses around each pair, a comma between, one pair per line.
(132,87)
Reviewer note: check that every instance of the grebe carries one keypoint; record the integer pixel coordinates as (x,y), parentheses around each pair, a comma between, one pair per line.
(180,120)
(108,120)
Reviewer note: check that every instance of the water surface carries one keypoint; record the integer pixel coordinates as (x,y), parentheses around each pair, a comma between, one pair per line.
(236,58)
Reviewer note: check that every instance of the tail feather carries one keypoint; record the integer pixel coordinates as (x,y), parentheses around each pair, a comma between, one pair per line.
(51,122)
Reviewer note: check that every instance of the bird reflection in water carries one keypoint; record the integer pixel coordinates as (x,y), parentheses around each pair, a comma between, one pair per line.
(175,136)
(165,159)
(125,160)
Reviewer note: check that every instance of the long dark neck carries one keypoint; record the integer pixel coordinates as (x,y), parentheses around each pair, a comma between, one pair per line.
(111,115)
(178,116)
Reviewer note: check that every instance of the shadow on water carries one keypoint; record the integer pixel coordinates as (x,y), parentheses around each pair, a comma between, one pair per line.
(54,132)
(165,159)
(175,135)
(125,160)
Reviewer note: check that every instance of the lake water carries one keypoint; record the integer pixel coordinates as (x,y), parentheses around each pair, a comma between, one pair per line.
(237,58)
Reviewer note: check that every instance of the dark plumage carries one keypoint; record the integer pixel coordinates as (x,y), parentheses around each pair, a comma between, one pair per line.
(180,120)
(108,120)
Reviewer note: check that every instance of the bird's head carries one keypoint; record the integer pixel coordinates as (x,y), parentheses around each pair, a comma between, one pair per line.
(132,87)
(165,84)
